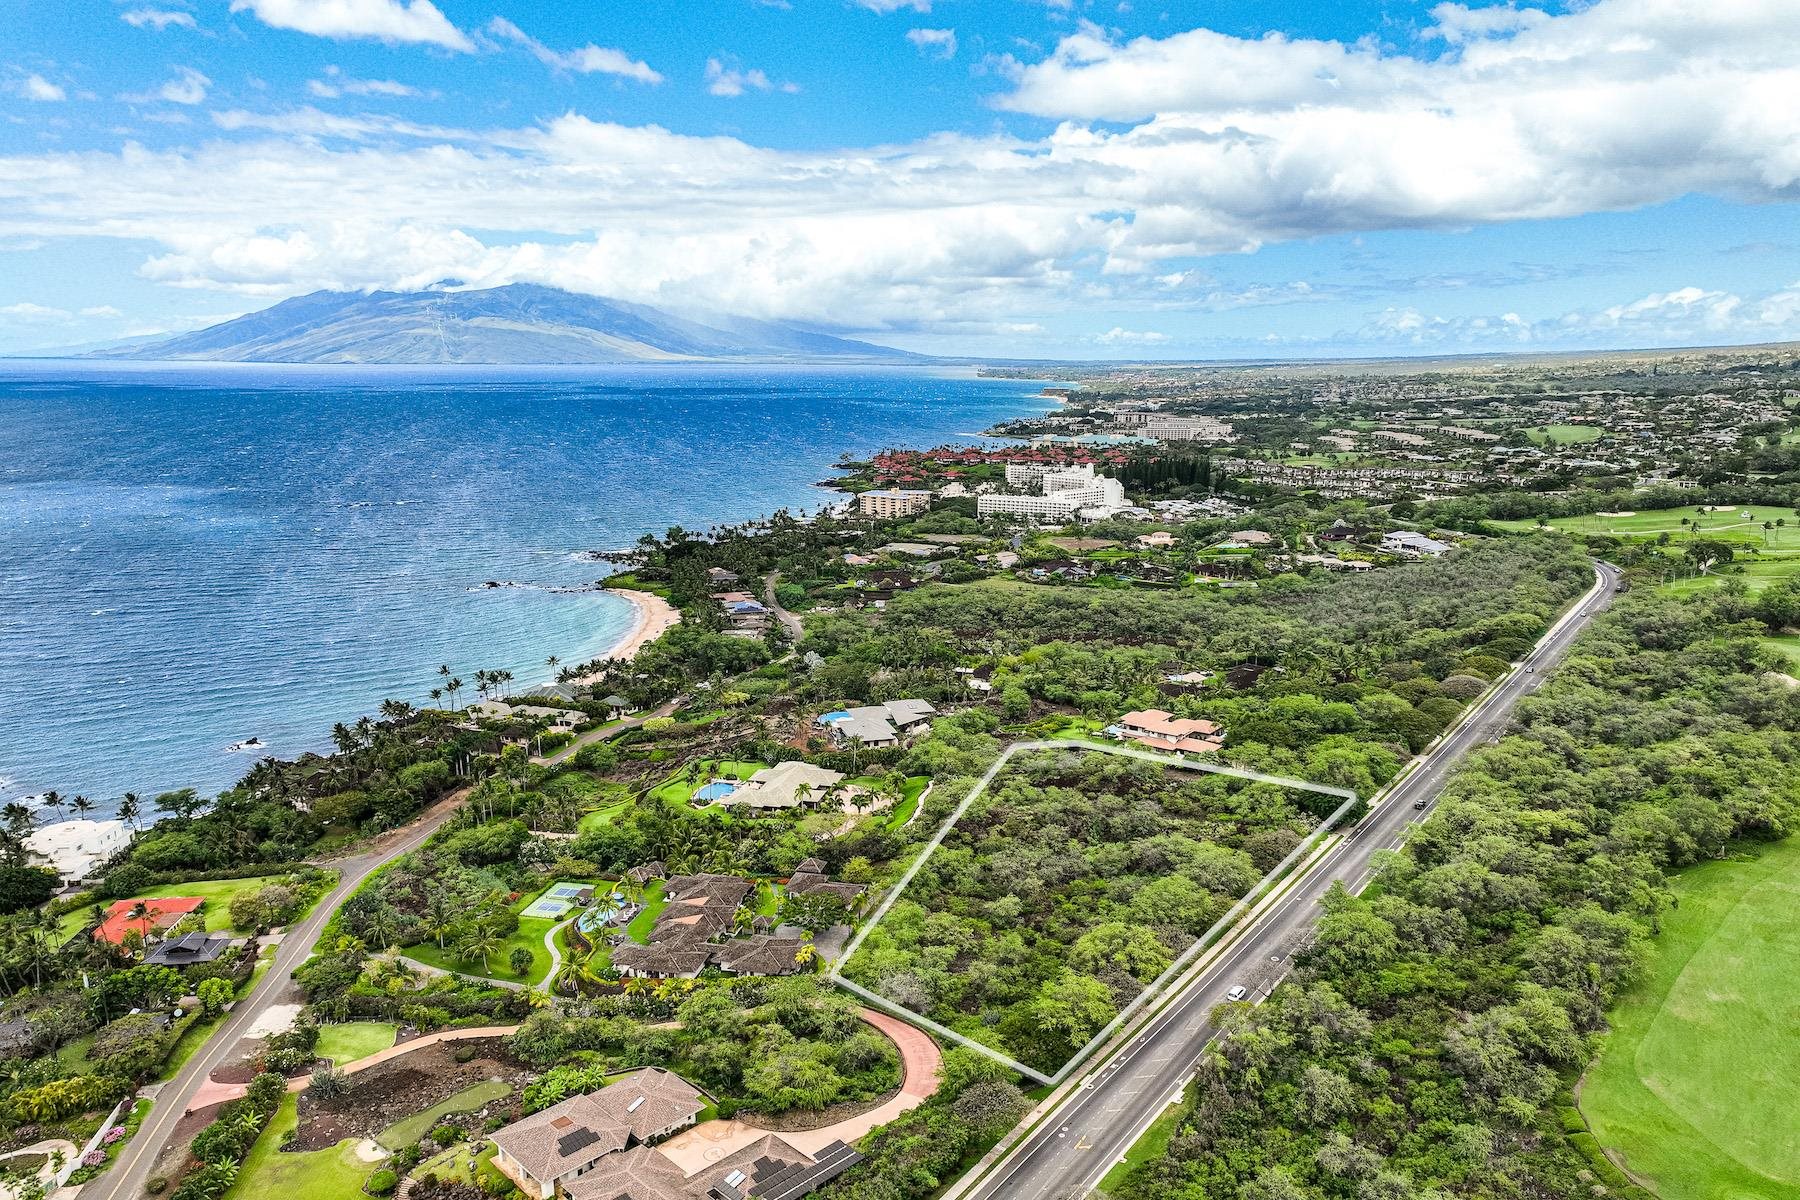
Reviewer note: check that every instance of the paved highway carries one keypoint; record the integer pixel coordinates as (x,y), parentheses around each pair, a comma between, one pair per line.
(1092,1129)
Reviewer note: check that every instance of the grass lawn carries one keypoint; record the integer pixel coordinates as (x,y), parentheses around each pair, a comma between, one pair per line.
(1697,1085)
(354,1039)
(1152,1145)
(73,1055)
(530,937)
(405,1132)
(639,929)
(680,788)
(1788,644)
(1739,523)
(604,815)
(455,1163)
(1754,573)
(910,791)
(1565,435)
(217,893)
(766,900)
(318,1175)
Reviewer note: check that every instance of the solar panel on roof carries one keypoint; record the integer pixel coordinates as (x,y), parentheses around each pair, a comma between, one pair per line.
(580,1139)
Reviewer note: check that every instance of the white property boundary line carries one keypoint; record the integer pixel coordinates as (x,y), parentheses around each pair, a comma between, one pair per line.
(1047,1109)
(1156,986)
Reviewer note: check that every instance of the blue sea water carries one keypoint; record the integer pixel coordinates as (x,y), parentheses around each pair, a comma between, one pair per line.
(195,555)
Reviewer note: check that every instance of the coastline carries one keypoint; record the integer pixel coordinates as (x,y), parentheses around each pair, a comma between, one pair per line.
(655,617)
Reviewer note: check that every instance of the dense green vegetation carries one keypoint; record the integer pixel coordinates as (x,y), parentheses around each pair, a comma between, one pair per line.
(1419,1047)
(760,1045)
(1072,883)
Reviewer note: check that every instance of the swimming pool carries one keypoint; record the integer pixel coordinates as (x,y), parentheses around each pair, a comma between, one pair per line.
(714,791)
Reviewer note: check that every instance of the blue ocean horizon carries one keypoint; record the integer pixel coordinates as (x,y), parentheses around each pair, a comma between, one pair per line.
(197,554)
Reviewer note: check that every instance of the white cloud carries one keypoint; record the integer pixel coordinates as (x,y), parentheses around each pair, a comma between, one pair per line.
(1250,145)
(1688,315)
(187,87)
(1117,336)
(36,87)
(1457,23)
(106,311)
(157,18)
(24,311)
(583,61)
(1617,104)
(336,84)
(888,6)
(416,22)
(940,43)
(723,80)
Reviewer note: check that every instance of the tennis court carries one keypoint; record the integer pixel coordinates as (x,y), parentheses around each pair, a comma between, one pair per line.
(557,899)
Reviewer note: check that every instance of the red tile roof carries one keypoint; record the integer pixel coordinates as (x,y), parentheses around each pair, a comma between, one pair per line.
(158,914)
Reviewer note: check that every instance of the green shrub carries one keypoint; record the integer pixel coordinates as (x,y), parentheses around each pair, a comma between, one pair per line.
(1603,1166)
(381,1182)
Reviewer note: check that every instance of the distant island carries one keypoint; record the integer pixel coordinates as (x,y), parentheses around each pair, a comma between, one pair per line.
(516,325)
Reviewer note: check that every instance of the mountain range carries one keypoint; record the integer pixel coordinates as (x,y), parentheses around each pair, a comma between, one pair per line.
(517,324)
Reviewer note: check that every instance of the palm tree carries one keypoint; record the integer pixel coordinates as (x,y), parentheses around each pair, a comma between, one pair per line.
(128,810)
(54,800)
(552,661)
(436,694)
(440,914)
(453,687)
(82,806)
(481,942)
(19,819)
(806,952)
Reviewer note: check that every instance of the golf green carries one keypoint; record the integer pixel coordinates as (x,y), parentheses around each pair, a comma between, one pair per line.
(1697,1090)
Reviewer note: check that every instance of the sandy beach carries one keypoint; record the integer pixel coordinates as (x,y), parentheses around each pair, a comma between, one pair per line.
(655,617)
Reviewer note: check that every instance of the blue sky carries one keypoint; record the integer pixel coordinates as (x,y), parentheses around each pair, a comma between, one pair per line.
(987,177)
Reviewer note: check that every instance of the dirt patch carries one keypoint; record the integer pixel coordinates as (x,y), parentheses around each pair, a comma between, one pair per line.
(430,1187)
(408,1084)
(800,1122)
(173,1160)
(241,1066)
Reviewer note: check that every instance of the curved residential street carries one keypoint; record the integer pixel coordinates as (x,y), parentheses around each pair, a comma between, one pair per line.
(131,1169)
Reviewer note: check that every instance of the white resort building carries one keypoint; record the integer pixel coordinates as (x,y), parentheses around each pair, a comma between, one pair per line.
(1067,492)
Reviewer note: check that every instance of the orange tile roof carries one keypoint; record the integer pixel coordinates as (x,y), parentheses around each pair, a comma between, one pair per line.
(158,914)
(1160,723)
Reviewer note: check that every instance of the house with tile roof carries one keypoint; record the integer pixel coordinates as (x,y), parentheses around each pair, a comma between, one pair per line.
(780,786)
(576,1137)
(810,879)
(145,917)
(1155,729)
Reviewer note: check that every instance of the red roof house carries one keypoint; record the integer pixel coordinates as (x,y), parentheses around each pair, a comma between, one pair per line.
(157,914)
(1157,730)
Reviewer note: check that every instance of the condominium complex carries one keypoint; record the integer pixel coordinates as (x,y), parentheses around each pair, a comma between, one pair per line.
(893,502)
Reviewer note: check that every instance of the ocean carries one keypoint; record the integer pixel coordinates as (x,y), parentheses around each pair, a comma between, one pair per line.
(191,556)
